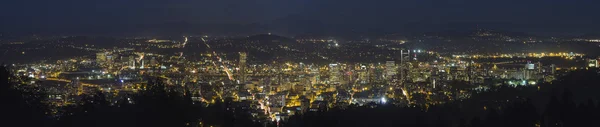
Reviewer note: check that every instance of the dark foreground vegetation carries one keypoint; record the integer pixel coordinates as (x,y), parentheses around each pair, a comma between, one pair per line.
(570,101)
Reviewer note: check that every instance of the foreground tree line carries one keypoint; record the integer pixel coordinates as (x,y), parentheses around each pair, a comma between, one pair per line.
(163,107)
(158,106)
(520,113)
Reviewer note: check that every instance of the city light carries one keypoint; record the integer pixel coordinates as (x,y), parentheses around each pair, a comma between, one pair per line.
(274,77)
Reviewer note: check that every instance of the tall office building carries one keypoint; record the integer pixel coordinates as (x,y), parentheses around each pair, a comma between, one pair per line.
(242,67)
(390,69)
(529,70)
(334,73)
(109,59)
(404,65)
(553,68)
(371,73)
(316,76)
(100,57)
(131,62)
(592,63)
(363,74)
(153,62)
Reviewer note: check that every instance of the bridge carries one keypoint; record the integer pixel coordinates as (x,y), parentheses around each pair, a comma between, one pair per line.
(249,75)
(511,62)
(69,81)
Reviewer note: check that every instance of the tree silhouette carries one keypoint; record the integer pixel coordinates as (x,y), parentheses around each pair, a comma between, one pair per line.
(171,106)
(22,104)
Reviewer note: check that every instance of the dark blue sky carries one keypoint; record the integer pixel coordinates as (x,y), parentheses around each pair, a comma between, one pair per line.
(91,15)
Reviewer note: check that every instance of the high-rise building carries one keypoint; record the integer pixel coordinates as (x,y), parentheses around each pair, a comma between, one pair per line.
(153,62)
(370,68)
(363,75)
(131,62)
(404,66)
(334,73)
(529,70)
(109,59)
(304,104)
(592,63)
(553,68)
(242,67)
(390,69)
(530,66)
(101,57)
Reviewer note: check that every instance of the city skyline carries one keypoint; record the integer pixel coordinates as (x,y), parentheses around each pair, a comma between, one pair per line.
(277,78)
(299,63)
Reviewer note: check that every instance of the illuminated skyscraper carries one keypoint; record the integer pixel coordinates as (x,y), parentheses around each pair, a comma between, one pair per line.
(553,68)
(363,75)
(131,62)
(242,67)
(109,59)
(404,65)
(390,69)
(592,63)
(153,62)
(100,57)
(529,70)
(334,73)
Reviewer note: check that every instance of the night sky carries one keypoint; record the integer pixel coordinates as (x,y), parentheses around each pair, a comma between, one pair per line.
(96,15)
